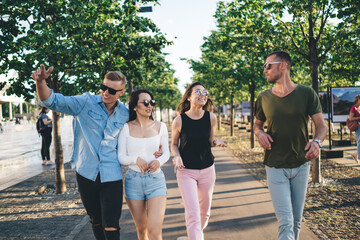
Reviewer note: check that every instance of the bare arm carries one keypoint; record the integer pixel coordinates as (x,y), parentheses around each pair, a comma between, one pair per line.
(320,126)
(46,121)
(320,133)
(40,76)
(352,118)
(264,139)
(215,142)
(176,128)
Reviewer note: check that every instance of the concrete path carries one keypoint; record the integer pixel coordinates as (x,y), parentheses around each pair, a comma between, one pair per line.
(241,208)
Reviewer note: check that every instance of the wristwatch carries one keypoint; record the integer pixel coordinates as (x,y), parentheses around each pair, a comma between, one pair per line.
(319,142)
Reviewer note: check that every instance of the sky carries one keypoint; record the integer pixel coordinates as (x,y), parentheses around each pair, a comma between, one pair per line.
(185,22)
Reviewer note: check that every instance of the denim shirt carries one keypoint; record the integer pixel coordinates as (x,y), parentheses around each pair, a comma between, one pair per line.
(95,134)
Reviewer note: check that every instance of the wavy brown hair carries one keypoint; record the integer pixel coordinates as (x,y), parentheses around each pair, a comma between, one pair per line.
(184,105)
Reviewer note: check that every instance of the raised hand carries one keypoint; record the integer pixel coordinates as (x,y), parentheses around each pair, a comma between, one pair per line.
(41,73)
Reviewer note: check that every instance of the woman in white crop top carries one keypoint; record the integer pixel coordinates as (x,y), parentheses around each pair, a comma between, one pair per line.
(145,186)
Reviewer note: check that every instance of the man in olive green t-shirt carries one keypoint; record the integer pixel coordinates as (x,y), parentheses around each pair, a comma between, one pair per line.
(286,108)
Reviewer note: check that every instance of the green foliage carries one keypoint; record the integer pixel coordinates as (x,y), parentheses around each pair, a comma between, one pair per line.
(82,39)
(325,34)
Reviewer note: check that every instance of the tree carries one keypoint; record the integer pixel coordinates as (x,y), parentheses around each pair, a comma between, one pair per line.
(317,29)
(83,40)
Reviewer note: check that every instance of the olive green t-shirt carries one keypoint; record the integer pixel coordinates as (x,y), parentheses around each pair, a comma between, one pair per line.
(287,119)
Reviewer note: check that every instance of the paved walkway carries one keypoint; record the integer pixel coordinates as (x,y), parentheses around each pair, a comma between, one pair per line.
(241,208)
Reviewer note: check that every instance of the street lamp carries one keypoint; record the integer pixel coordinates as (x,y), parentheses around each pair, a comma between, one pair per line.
(145,9)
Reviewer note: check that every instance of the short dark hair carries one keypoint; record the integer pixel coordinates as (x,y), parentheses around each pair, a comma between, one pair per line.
(116,76)
(282,55)
(133,101)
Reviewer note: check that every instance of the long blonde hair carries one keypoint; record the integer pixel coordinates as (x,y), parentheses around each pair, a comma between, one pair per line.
(184,105)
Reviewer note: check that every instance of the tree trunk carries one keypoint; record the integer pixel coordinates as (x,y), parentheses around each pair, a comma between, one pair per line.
(161,112)
(232,115)
(168,115)
(252,99)
(314,68)
(130,86)
(59,162)
(219,118)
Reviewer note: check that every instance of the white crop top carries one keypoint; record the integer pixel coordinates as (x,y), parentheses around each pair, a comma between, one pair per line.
(130,148)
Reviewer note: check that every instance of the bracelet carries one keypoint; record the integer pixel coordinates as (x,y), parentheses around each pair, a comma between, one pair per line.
(214,142)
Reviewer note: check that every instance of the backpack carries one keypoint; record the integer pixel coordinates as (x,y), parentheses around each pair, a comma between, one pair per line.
(40,126)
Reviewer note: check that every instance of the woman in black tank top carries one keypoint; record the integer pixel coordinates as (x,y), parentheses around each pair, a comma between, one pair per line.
(193,160)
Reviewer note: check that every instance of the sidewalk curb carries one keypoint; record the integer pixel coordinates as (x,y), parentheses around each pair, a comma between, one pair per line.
(77,229)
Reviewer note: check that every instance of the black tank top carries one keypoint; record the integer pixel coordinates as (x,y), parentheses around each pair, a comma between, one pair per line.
(195,147)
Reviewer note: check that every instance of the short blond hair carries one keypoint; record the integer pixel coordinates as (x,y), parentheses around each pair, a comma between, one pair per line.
(116,76)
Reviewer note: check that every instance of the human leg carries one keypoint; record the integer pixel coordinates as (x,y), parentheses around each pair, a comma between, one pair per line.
(43,146)
(206,184)
(48,139)
(156,211)
(138,212)
(279,187)
(90,197)
(111,200)
(298,186)
(187,182)
(357,154)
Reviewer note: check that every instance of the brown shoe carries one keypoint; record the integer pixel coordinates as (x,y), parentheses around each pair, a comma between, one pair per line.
(355,155)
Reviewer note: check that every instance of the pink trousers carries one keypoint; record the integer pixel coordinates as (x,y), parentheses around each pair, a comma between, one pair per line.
(196,187)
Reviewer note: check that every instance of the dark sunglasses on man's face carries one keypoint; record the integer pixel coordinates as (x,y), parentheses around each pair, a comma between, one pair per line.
(111,90)
(147,102)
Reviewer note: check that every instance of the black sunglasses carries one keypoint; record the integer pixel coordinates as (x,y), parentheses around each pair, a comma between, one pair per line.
(147,102)
(111,90)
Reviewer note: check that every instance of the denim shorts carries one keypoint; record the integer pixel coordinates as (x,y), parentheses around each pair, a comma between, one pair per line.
(140,186)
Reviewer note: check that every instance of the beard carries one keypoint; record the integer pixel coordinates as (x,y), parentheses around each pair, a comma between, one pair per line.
(273,78)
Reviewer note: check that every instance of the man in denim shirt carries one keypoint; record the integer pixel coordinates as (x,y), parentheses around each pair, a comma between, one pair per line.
(97,122)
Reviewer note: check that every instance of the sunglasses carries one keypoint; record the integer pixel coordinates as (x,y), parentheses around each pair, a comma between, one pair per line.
(147,102)
(267,66)
(111,90)
(199,92)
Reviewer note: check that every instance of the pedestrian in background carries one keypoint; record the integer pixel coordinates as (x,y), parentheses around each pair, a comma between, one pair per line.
(145,186)
(97,122)
(46,136)
(286,108)
(193,159)
(355,116)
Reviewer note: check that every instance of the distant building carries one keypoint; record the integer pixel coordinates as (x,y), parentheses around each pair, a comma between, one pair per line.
(12,106)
